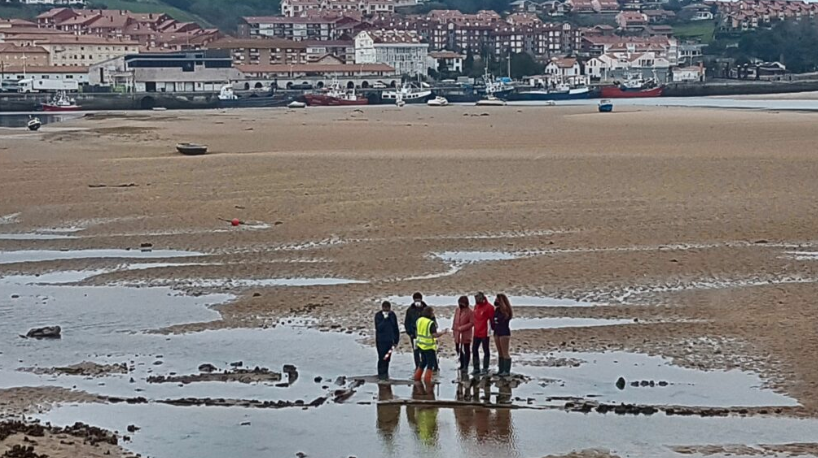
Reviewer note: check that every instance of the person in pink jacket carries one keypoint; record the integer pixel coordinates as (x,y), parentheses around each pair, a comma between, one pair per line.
(463,328)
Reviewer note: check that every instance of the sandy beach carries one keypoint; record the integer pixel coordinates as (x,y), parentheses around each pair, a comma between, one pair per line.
(694,225)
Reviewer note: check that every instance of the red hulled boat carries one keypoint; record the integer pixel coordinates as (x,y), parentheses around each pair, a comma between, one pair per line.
(633,87)
(617,92)
(335,96)
(61,102)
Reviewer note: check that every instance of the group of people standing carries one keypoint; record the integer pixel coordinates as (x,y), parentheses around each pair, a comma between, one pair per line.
(470,329)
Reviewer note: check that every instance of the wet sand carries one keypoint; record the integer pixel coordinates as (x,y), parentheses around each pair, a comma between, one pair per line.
(679,218)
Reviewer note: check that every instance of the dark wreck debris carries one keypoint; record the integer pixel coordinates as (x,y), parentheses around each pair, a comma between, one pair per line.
(48,332)
(639,409)
(256,375)
(88,434)
(248,403)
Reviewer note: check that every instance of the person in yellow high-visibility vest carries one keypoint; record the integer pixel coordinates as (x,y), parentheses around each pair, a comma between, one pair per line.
(427,344)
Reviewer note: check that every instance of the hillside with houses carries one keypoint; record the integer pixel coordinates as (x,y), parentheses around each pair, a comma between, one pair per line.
(309,43)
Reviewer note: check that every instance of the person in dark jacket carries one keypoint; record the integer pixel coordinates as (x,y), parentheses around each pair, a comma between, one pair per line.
(502,333)
(387,336)
(410,323)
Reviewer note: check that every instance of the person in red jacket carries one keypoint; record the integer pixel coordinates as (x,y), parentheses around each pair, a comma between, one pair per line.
(483,318)
(462,328)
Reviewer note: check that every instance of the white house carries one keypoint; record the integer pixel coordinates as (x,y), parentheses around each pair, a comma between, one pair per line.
(700,12)
(451,61)
(614,65)
(402,50)
(299,8)
(688,74)
(564,70)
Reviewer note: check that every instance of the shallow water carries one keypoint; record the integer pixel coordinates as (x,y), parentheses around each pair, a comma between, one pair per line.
(519,323)
(245,282)
(99,323)
(463,257)
(394,431)
(35,236)
(518,301)
(21,120)
(598,373)
(20,256)
(696,102)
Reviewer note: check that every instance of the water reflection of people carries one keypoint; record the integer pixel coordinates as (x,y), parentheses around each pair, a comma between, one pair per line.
(489,423)
(388,415)
(423,419)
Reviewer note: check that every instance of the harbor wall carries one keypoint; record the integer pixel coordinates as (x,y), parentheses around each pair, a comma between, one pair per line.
(197,100)
(115,101)
(738,88)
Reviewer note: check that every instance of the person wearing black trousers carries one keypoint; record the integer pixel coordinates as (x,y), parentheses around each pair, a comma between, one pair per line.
(410,323)
(387,336)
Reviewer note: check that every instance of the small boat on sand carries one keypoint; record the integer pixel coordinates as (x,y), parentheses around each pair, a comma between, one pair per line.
(491,101)
(605,106)
(296,104)
(34,124)
(438,102)
(191,149)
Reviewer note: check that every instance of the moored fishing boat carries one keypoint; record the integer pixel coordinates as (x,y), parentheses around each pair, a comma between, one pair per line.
(61,102)
(335,96)
(632,87)
(561,92)
(617,92)
(407,94)
(229,99)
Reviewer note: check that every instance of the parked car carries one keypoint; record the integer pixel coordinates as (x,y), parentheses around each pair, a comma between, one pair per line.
(10,86)
(300,86)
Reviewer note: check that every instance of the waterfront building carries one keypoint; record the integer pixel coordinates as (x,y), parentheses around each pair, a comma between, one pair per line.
(273,51)
(404,51)
(192,71)
(318,75)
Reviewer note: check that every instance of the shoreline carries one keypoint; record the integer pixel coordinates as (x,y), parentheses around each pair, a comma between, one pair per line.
(652,214)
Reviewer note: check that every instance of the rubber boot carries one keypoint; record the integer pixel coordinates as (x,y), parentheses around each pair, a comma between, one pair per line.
(505,367)
(418,374)
(427,377)
(486,362)
(508,366)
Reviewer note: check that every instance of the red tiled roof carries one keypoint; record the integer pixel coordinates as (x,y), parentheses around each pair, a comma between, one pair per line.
(317,68)
(45,69)
(8,48)
(269,43)
(52,12)
(288,20)
(85,39)
(395,36)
